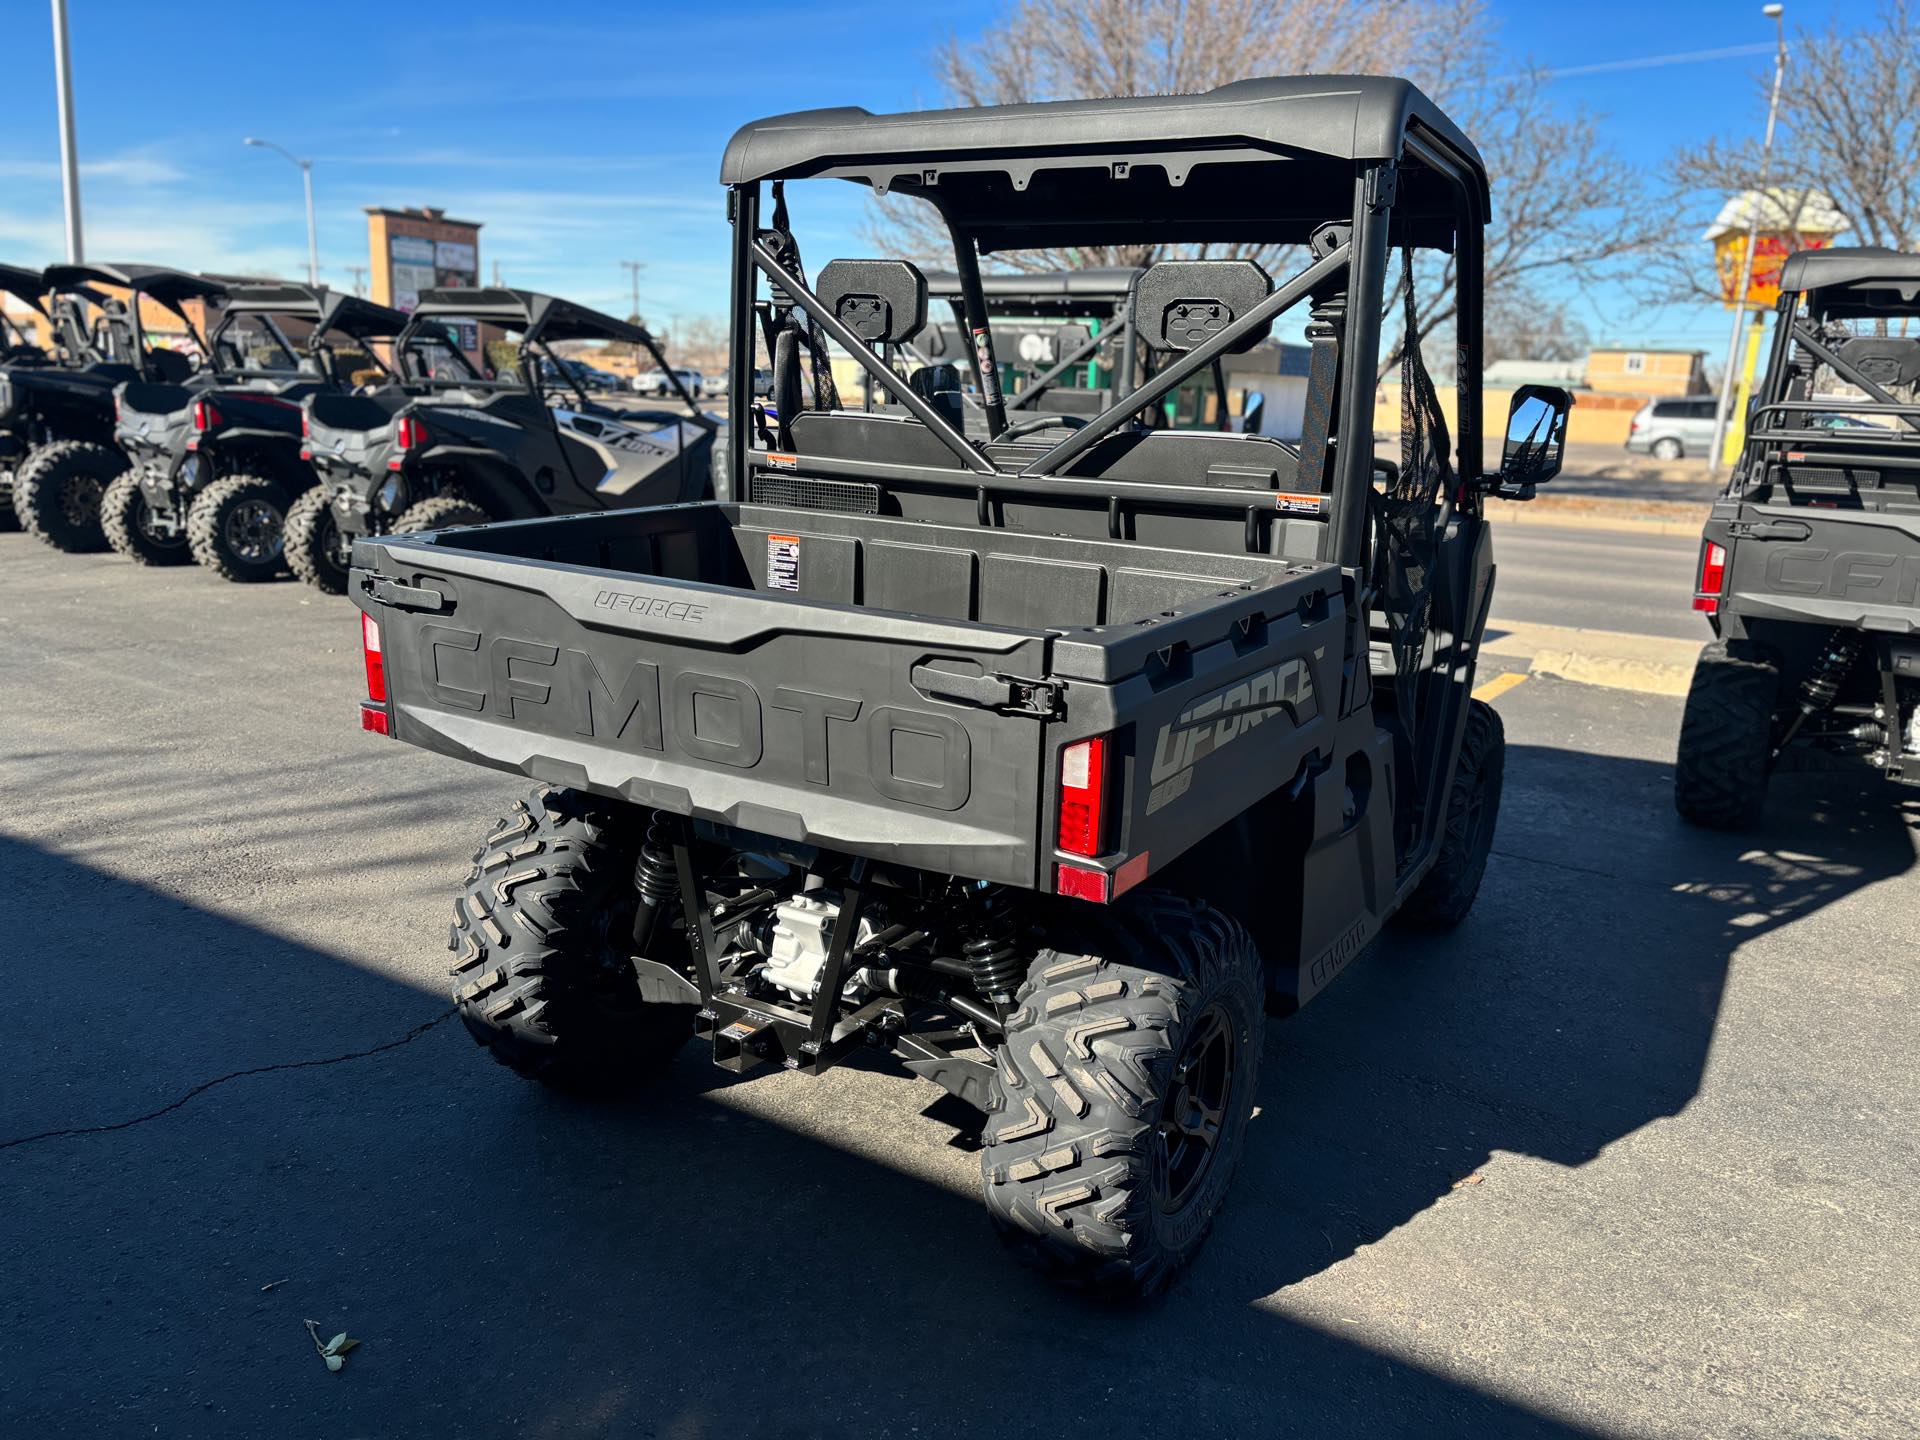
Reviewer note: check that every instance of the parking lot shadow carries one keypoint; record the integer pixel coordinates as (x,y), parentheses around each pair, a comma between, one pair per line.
(688,1266)
(519,1264)
(1576,1005)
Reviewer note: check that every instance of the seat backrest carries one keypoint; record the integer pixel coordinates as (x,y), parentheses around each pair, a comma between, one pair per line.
(1890,362)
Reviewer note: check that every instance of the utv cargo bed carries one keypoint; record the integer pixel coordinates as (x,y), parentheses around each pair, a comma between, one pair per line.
(884,687)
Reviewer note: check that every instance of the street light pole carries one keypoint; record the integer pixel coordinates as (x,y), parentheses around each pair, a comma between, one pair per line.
(1723,411)
(633,269)
(69,151)
(306,181)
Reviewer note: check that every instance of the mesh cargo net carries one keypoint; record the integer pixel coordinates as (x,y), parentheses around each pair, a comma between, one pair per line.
(1406,514)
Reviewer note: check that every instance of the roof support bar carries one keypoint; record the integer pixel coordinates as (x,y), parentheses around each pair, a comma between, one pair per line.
(1166,381)
(962,448)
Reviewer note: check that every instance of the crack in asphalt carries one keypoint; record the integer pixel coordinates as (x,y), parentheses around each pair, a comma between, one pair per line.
(407,1039)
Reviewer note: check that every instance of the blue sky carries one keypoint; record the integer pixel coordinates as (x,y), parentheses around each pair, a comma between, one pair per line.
(593,134)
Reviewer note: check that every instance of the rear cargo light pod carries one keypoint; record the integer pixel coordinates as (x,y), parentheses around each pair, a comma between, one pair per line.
(1713,577)
(376,661)
(1083,796)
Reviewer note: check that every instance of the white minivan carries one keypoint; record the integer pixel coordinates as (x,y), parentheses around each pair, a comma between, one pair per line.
(1673,429)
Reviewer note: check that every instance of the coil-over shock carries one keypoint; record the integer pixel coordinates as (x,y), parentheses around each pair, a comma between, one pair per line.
(1831,665)
(994,954)
(656,879)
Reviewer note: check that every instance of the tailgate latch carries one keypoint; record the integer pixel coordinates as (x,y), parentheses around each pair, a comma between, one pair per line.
(1769,529)
(406,597)
(1004,694)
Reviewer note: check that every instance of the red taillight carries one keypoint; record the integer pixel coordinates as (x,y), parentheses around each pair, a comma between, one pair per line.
(206,415)
(376,662)
(1083,796)
(409,434)
(306,426)
(1077,882)
(1713,577)
(374,717)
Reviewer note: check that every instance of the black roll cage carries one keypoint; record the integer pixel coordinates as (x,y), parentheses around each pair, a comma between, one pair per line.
(1362,258)
(533,315)
(1771,419)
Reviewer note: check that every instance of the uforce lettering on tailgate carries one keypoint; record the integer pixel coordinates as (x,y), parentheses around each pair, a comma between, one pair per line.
(917,756)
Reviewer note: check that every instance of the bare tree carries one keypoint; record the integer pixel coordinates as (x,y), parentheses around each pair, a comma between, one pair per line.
(1849,130)
(1521,325)
(1566,207)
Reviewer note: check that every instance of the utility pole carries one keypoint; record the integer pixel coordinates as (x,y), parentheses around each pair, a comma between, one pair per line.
(1723,411)
(633,269)
(359,284)
(496,274)
(69,151)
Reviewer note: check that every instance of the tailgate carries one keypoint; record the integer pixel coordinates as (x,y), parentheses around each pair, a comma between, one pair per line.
(816,723)
(1836,567)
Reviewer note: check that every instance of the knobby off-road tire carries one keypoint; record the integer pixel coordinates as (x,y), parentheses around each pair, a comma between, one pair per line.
(1444,897)
(237,528)
(541,938)
(437,513)
(57,493)
(128,522)
(313,542)
(1726,736)
(1121,1094)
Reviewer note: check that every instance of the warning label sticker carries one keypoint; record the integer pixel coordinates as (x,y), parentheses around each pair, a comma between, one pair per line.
(1296,504)
(783,562)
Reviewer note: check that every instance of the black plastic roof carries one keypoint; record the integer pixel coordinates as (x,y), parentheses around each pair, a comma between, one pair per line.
(329,309)
(1163,167)
(528,311)
(160,281)
(23,284)
(1869,265)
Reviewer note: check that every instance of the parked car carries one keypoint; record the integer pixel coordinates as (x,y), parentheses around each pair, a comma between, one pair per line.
(1673,429)
(656,383)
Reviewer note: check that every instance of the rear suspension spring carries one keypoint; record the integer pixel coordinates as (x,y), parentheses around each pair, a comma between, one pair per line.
(1831,665)
(994,953)
(656,878)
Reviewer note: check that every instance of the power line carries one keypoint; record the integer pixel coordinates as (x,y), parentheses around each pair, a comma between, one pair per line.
(1645,62)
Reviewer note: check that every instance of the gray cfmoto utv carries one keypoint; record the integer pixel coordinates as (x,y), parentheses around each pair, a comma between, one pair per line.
(217,469)
(1810,564)
(66,412)
(1049,762)
(455,447)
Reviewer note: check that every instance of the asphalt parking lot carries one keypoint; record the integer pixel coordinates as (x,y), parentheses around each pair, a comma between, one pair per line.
(1632,1153)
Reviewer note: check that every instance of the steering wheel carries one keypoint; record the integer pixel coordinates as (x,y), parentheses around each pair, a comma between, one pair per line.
(1041,422)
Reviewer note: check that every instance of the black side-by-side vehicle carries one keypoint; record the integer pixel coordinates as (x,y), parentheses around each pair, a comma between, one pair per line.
(65,413)
(216,468)
(458,447)
(1810,564)
(1049,760)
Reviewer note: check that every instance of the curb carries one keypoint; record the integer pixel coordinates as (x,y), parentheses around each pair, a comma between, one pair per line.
(1611,659)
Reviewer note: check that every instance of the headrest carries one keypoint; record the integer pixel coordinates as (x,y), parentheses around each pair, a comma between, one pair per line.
(882,301)
(1181,303)
(1887,361)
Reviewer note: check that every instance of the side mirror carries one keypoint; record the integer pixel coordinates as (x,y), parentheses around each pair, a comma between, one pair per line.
(1536,440)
